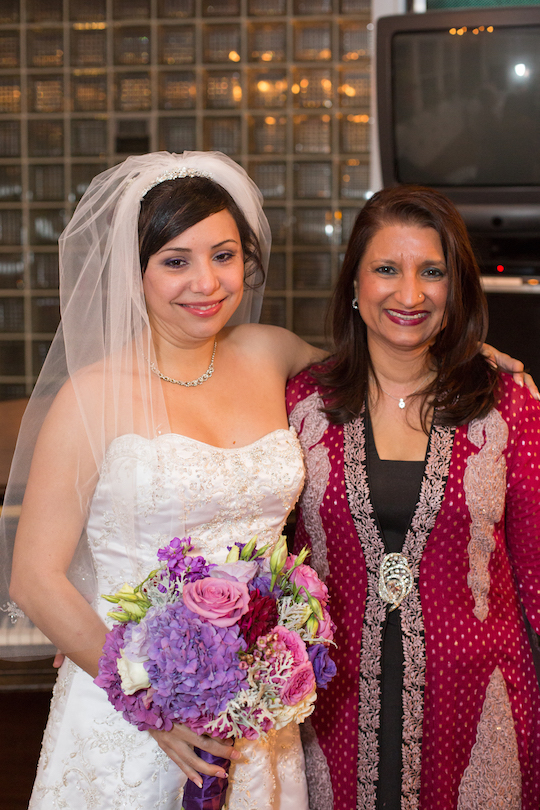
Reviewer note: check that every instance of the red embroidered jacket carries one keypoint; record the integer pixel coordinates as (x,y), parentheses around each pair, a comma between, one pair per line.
(471,700)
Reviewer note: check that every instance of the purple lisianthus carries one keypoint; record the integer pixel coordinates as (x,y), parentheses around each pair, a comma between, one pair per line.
(180,562)
(193,665)
(135,708)
(239,571)
(323,666)
(262,584)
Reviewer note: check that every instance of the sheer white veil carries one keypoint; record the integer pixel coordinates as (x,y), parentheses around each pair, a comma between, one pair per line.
(103,346)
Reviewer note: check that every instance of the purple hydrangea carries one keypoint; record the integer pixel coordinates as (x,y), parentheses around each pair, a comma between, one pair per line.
(193,666)
(180,562)
(323,666)
(133,707)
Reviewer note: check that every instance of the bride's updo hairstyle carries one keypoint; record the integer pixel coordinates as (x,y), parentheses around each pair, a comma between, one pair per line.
(173,206)
(464,387)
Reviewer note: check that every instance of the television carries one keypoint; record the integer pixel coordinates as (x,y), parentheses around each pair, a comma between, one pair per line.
(458,107)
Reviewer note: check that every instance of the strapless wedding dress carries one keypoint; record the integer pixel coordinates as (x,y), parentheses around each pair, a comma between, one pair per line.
(91,757)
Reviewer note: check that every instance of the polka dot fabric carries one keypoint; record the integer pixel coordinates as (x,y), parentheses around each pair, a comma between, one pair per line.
(461,651)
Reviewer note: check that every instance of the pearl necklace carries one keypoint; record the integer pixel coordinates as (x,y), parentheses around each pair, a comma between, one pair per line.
(401,400)
(191,383)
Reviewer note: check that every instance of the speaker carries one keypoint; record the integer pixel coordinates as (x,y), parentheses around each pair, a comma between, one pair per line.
(514,326)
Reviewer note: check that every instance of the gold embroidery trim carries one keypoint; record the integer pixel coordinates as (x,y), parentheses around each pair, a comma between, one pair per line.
(484,483)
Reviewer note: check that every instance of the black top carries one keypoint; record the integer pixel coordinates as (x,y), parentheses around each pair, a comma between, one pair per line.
(394,488)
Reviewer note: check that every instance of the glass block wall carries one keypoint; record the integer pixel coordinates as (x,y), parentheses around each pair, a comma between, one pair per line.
(282,86)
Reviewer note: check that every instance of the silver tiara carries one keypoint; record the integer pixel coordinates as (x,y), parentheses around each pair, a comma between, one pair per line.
(174,174)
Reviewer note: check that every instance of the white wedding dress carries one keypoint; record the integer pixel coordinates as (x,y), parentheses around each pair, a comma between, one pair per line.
(91,757)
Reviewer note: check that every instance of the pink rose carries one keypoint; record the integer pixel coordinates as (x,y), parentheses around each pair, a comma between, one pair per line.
(220,601)
(326,627)
(293,643)
(305,577)
(289,562)
(299,686)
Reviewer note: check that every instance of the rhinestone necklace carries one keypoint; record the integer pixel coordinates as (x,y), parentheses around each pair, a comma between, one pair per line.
(401,400)
(191,383)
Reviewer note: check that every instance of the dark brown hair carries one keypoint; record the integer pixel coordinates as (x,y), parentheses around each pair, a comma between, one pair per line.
(171,207)
(464,386)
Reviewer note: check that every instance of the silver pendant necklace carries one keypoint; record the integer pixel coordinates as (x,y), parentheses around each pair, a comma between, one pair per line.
(191,383)
(401,400)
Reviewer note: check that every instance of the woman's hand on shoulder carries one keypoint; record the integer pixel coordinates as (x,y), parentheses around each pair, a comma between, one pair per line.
(515,367)
(289,351)
(179,743)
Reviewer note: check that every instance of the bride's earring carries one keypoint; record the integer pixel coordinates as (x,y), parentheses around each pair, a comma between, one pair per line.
(355,303)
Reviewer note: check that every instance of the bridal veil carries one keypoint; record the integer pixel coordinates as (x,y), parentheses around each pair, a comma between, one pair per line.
(103,346)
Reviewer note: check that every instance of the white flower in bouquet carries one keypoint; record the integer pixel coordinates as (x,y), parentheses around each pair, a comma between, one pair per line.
(133,675)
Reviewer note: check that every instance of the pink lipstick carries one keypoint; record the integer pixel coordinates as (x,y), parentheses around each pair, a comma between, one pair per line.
(204,310)
(403,318)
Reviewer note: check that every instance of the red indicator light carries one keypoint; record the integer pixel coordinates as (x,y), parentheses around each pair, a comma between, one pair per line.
(500,268)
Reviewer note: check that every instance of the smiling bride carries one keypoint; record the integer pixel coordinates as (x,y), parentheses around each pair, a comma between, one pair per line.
(155,416)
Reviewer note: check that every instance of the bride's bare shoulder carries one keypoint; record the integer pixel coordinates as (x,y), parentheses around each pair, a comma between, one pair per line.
(261,333)
(81,398)
(284,347)
(86,381)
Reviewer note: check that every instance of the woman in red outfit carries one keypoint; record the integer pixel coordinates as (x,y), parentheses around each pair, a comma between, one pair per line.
(422,509)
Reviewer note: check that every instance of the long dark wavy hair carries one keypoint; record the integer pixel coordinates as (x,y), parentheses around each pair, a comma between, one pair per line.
(464,387)
(171,207)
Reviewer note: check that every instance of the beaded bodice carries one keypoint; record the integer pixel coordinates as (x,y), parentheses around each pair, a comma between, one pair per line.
(151,490)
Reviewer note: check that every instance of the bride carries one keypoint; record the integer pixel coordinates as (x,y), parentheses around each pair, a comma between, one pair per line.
(155,417)
(160,412)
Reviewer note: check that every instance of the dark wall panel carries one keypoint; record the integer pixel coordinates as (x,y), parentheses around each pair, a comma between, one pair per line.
(514,327)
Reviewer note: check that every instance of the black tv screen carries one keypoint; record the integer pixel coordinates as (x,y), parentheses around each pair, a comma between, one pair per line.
(467,106)
(459,104)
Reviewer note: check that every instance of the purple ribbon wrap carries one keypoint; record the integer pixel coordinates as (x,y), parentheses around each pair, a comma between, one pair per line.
(214,790)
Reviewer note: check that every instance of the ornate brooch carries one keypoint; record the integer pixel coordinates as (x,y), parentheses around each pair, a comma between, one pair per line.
(395,579)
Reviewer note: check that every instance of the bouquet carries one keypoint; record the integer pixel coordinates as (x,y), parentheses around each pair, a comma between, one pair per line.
(230,650)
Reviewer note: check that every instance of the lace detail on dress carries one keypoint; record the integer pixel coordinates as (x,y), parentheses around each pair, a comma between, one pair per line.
(109,746)
(431,494)
(311,424)
(484,483)
(59,694)
(492,778)
(321,795)
(412,623)
(80,773)
(151,490)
